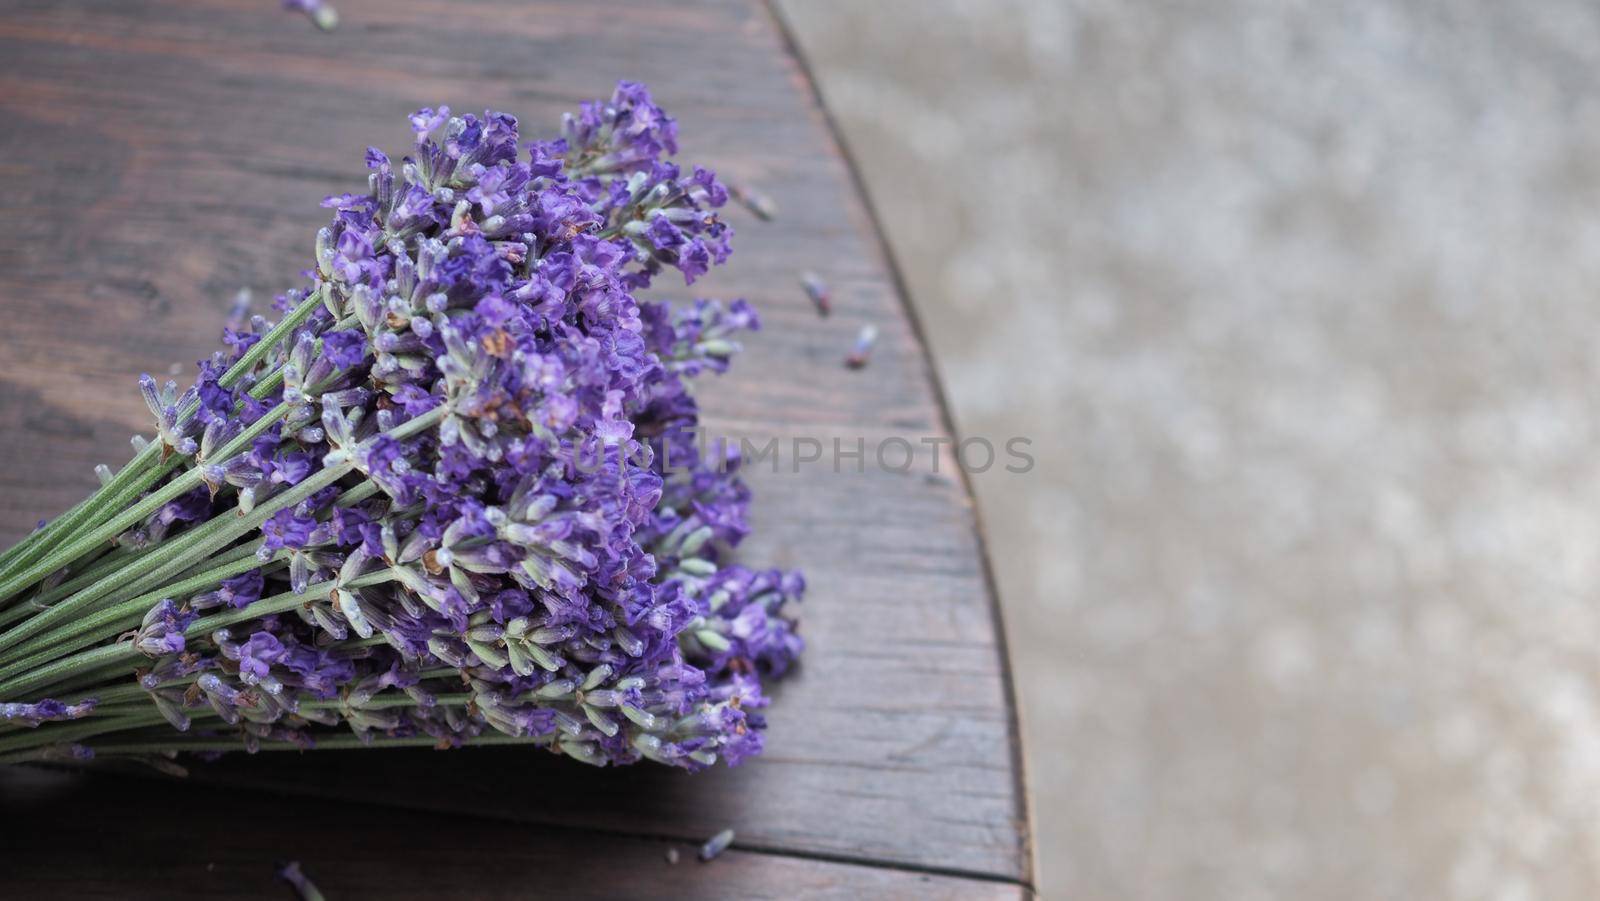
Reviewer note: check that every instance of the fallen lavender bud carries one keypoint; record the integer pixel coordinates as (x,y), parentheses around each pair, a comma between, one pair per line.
(715,845)
(321,13)
(764,207)
(429,505)
(861,354)
(818,291)
(303,886)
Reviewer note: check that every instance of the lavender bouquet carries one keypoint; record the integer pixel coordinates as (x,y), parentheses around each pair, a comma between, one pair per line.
(451,497)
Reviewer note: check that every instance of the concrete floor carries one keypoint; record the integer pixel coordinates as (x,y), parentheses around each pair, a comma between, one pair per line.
(1298,304)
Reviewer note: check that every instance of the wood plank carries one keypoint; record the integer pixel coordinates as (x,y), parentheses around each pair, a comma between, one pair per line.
(175,841)
(161,154)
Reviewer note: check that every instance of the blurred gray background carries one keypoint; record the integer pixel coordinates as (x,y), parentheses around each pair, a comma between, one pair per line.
(1298,304)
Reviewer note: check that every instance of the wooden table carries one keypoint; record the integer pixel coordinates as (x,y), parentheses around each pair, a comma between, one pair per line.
(159,155)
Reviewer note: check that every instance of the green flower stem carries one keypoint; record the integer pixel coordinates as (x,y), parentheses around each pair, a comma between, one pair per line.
(7,617)
(129,691)
(198,549)
(30,543)
(277,603)
(90,511)
(108,530)
(124,651)
(269,383)
(398,699)
(115,672)
(126,706)
(102,507)
(356,494)
(38,658)
(130,714)
(75,665)
(28,550)
(87,570)
(95,505)
(129,491)
(119,498)
(180,742)
(111,621)
(104,500)
(117,694)
(56,733)
(114,620)
(9,556)
(32,755)
(173,557)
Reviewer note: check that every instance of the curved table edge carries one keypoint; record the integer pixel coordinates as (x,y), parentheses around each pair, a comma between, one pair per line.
(1023,813)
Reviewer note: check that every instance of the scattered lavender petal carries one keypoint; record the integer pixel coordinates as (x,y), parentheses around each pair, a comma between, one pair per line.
(819,292)
(291,873)
(764,207)
(716,845)
(862,353)
(321,13)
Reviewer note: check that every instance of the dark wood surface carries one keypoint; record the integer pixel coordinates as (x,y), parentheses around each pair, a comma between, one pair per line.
(130,850)
(157,156)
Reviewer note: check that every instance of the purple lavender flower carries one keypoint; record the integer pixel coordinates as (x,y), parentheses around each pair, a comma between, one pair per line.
(257,656)
(162,630)
(286,529)
(236,592)
(190,507)
(346,349)
(176,424)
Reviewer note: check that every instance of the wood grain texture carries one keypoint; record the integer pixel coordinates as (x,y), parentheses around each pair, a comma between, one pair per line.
(160,155)
(182,841)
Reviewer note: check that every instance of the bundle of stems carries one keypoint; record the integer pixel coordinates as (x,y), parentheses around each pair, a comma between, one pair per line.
(452,496)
